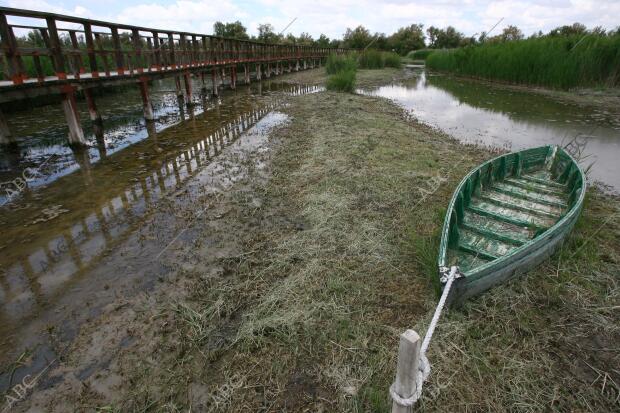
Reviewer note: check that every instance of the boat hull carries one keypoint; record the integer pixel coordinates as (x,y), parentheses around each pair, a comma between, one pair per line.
(501,260)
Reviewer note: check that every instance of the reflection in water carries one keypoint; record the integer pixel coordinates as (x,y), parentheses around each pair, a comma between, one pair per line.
(481,113)
(56,236)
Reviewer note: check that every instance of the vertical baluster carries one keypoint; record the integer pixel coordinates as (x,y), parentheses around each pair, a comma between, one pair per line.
(118,52)
(157,46)
(77,54)
(171,46)
(56,49)
(90,50)
(104,54)
(137,50)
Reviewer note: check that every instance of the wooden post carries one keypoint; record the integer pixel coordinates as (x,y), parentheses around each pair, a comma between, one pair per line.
(56,51)
(6,138)
(407,368)
(188,88)
(10,51)
(90,50)
(214,81)
(118,52)
(69,107)
(92,106)
(146,100)
(177,84)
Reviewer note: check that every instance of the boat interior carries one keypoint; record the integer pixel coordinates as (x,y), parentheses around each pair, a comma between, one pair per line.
(509,201)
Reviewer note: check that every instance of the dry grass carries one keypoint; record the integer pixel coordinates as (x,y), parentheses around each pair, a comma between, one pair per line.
(307,317)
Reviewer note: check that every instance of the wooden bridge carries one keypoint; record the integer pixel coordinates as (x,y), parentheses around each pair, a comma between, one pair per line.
(72,54)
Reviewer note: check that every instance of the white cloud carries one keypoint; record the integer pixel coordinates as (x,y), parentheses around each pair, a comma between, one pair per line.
(333,17)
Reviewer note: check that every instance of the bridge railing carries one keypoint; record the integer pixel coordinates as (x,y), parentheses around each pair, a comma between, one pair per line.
(64,47)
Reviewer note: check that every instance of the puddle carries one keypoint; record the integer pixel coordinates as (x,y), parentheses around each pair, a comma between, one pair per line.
(480,113)
(90,232)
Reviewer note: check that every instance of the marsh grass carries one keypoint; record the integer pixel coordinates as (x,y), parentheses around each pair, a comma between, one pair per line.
(557,62)
(339,63)
(343,81)
(309,318)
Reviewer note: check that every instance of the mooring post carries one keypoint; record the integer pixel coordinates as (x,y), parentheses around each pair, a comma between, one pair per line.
(407,367)
(214,81)
(6,138)
(188,88)
(94,114)
(146,100)
(69,107)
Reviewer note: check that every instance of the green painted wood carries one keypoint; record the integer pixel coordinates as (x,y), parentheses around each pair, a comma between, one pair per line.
(509,214)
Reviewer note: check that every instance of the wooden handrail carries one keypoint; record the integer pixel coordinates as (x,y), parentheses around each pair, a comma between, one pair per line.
(125,49)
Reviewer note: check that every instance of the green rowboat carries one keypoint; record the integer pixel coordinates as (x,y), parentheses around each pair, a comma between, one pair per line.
(508,215)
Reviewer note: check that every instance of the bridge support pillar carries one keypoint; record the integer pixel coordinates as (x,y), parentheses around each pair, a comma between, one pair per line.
(69,107)
(297,66)
(188,88)
(146,100)
(268,72)
(214,81)
(177,85)
(233,77)
(203,84)
(6,138)
(305,64)
(246,73)
(95,117)
(259,70)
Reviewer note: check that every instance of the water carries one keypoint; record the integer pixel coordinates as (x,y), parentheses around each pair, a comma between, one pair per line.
(89,226)
(474,112)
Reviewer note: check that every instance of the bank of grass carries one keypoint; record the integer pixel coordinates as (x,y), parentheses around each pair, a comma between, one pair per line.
(557,62)
(308,317)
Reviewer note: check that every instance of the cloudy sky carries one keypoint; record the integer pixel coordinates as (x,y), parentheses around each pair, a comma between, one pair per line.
(332,17)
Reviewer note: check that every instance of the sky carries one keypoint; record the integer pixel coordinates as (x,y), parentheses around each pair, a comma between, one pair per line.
(333,17)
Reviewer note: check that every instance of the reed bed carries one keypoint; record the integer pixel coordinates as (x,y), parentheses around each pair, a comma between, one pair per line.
(558,62)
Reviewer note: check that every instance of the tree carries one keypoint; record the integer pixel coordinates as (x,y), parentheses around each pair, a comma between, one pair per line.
(234,30)
(433,34)
(357,38)
(305,39)
(322,41)
(575,28)
(445,38)
(407,39)
(511,33)
(266,34)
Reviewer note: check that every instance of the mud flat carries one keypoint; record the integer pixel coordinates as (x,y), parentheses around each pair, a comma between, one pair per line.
(292,264)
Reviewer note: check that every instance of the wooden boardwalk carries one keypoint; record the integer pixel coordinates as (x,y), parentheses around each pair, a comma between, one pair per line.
(69,53)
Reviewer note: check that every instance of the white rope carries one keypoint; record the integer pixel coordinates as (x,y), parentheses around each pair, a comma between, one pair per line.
(424,369)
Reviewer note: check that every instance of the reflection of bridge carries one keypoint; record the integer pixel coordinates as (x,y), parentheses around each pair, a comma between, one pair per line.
(57,263)
(90,54)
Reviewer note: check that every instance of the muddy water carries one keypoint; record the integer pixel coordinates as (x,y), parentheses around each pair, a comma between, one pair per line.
(475,112)
(94,224)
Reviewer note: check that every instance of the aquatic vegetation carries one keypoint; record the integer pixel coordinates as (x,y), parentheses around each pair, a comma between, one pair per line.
(559,62)
(391,60)
(343,81)
(338,63)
